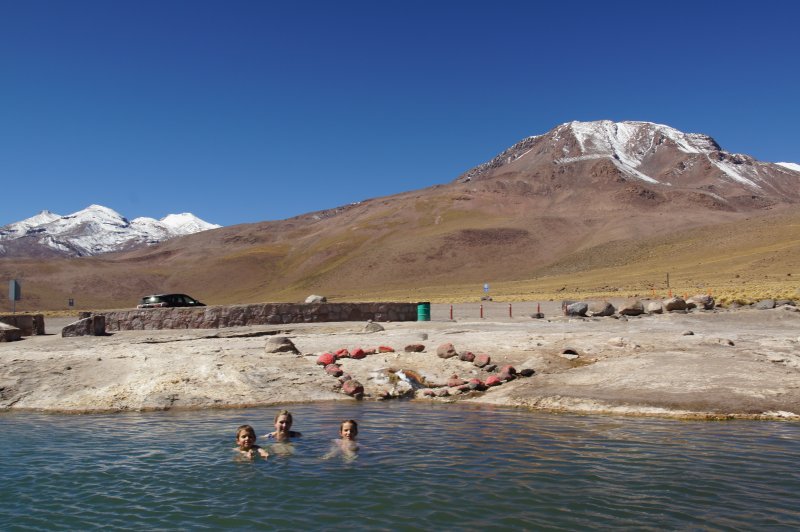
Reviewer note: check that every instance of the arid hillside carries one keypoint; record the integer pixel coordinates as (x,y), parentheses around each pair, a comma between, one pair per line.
(549,227)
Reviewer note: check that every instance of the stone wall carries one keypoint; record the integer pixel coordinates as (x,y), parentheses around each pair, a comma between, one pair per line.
(29,324)
(259,314)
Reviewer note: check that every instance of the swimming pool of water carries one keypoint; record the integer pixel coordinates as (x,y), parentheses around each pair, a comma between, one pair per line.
(420,466)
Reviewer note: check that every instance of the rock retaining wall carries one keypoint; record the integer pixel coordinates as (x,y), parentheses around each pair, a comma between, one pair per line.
(29,324)
(259,314)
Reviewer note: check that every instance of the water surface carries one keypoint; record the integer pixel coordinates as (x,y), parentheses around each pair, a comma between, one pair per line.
(420,466)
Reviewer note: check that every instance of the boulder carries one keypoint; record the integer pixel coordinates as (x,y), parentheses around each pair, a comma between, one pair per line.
(316,299)
(446,351)
(94,325)
(765,304)
(9,333)
(601,308)
(576,309)
(414,348)
(372,327)
(701,301)
(280,344)
(632,307)
(655,307)
(674,303)
(482,360)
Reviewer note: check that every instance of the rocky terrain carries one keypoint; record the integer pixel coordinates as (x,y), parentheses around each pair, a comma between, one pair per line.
(700,364)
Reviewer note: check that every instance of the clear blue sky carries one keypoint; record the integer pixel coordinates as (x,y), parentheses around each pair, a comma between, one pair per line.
(243,111)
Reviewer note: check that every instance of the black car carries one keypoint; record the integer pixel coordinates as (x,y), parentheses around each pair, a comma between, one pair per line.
(169,300)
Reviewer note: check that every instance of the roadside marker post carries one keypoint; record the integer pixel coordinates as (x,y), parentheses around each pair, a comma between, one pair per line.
(481,310)
(509,311)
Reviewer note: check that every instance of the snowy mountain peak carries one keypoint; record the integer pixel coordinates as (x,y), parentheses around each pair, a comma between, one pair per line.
(650,153)
(94,230)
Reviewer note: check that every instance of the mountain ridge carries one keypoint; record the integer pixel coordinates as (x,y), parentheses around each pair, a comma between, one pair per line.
(568,205)
(92,231)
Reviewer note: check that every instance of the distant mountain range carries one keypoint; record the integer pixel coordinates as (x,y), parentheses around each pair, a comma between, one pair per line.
(92,231)
(592,204)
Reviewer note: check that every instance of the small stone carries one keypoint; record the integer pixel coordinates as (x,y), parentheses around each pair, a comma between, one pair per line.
(372,327)
(446,351)
(466,356)
(482,360)
(442,392)
(280,344)
(476,384)
(334,370)
(353,388)
(385,349)
(357,353)
(688,333)
(490,367)
(342,353)
(527,372)
(326,358)
(493,380)
(414,348)
(455,381)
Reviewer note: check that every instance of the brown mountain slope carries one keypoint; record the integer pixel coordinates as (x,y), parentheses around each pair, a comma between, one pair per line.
(566,212)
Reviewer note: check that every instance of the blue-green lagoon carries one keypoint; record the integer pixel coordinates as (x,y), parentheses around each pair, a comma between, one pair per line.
(421,466)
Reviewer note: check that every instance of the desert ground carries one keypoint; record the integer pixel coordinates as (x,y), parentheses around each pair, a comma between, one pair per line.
(719,364)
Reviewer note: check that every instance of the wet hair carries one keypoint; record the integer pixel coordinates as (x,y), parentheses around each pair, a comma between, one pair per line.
(284,413)
(246,428)
(352,422)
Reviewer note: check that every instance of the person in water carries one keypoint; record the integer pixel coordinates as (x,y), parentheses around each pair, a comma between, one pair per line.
(283,427)
(246,443)
(346,444)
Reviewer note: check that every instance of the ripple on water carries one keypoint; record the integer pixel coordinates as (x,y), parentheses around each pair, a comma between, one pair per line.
(420,466)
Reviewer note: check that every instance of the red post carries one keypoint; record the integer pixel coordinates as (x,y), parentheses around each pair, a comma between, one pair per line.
(509,311)
(538,308)
(451,312)
(481,310)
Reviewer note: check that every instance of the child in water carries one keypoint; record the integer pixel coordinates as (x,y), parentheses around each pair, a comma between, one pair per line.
(246,443)
(346,444)
(283,427)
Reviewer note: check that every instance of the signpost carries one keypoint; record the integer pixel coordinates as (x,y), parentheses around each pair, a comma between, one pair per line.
(14,294)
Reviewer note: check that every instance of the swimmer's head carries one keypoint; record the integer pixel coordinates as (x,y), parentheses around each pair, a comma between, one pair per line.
(283,421)
(245,436)
(348,429)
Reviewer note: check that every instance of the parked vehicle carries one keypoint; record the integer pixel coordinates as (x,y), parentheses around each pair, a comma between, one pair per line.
(169,300)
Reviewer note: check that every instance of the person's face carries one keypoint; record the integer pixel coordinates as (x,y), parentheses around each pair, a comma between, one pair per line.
(348,431)
(245,440)
(283,423)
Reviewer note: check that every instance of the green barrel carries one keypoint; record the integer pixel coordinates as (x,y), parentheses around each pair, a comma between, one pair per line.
(424,311)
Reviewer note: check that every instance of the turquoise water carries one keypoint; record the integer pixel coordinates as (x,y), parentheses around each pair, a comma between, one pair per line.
(421,466)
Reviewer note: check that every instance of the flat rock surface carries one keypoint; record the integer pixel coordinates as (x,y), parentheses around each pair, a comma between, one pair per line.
(743,363)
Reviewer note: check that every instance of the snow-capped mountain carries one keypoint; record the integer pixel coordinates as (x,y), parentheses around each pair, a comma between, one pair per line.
(92,231)
(652,155)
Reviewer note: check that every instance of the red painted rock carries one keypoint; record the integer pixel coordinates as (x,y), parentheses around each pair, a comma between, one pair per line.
(353,388)
(467,356)
(334,370)
(342,353)
(357,353)
(385,349)
(370,351)
(493,380)
(326,358)
(482,360)
(455,380)
(511,370)
(427,392)
(505,376)
(476,384)
(414,348)
(446,351)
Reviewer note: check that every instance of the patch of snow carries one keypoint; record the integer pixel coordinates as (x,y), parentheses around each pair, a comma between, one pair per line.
(736,176)
(790,166)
